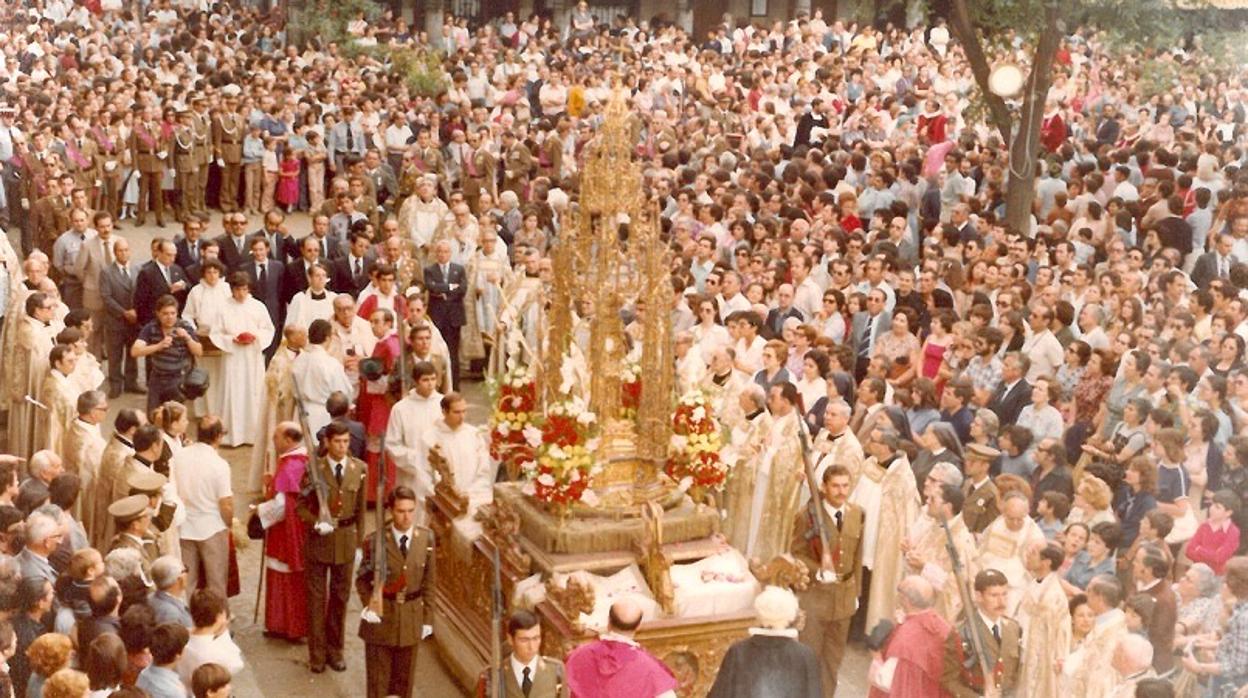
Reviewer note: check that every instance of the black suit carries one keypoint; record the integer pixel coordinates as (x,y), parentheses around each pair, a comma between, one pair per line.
(343,279)
(151,285)
(189,254)
(446,306)
(296,280)
(1206,268)
(117,291)
(1007,406)
(270,294)
(776,318)
(282,248)
(230,255)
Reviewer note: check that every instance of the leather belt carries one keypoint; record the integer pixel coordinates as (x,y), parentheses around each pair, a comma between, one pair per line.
(343,523)
(402,598)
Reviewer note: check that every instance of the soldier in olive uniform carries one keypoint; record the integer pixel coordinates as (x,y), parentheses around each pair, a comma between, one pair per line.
(148,151)
(525,672)
(963,675)
(393,620)
(185,165)
(331,545)
(228,131)
(550,159)
(981,493)
(201,124)
(133,518)
(429,159)
(836,574)
(517,162)
(480,172)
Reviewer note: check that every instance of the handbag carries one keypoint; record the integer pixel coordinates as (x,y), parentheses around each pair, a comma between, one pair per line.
(255,529)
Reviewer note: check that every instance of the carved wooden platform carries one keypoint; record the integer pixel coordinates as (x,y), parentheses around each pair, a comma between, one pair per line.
(691,647)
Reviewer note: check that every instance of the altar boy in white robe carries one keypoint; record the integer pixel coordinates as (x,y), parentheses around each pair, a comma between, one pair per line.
(410,419)
(245,329)
(464,449)
(318,375)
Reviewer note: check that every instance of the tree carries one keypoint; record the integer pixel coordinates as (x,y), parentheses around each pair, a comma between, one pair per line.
(982,28)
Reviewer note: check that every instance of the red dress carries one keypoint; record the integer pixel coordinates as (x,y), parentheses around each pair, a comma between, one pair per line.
(373,411)
(285,597)
(288,182)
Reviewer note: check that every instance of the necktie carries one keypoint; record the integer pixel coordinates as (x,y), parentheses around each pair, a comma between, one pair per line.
(164,271)
(324,250)
(238,243)
(108,251)
(864,344)
(338,473)
(996,632)
(840,519)
(263,277)
(403,545)
(350,138)
(446,275)
(359,267)
(526,683)
(125,273)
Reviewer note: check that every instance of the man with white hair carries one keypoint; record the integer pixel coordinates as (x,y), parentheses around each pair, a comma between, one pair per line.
(84,444)
(167,603)
(770,661)
(421,214)
(46,466)
(1133,662)
(43,536)
(915,648)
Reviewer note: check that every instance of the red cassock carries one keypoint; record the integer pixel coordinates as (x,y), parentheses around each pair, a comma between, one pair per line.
(918,645)
(285,598)
(373,411)
(370,304)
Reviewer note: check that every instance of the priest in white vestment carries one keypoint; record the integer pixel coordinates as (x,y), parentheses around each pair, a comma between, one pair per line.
(420,215)
(777,490)
(885,526)
(317,375)
(84,444)
(60,396)
(205,304)
(244,331)
(352,338)
(1044,615)
(410,419)
(279,402)
(29,365)
(316,303)
(1003,545)
(464,449)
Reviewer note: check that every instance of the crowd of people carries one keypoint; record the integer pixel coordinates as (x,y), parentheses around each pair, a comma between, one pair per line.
(1029,442)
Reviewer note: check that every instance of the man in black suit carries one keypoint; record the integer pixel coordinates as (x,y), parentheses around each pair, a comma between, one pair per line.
(188,243)
(266,277)
(447,284)
(1216,264)
(338,405)
(120,320)
(232,247)
(783,311)
(1015,392)
(331,247)
(209,250)
(158,277)
(282,246)
(351,272)
(297,270)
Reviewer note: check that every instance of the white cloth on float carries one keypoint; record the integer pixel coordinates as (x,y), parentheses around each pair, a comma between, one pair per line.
(714,585)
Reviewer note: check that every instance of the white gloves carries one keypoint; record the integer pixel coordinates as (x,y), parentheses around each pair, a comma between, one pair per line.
(323,528)
(368,616)
(426,631)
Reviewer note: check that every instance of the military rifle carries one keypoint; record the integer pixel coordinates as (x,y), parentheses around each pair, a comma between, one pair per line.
(978,644)
(315,476)
(821,522)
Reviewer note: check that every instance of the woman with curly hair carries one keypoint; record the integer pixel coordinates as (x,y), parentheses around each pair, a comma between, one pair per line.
(1092,502)
(67,683)
(48,654)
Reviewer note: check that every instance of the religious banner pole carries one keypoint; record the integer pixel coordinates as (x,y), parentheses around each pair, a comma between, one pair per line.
(964,590)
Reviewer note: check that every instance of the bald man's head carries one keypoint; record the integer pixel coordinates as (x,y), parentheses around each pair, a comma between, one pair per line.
(625,616)
(916,594)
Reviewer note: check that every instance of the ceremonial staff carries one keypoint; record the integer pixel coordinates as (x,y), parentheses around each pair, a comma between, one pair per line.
(496,630)
(964,590)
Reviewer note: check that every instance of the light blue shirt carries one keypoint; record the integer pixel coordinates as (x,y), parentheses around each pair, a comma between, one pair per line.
(161,683)
(253,150)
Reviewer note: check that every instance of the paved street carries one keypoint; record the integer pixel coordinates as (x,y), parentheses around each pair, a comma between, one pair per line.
(277,669)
